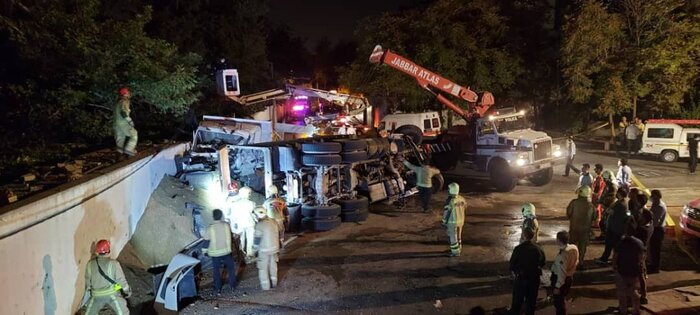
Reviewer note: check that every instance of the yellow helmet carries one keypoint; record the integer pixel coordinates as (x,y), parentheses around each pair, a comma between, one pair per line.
(453,188)
(528,209)
(584,191)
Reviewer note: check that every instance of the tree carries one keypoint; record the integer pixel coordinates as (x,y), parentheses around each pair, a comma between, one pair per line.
(72,58)
(463,41)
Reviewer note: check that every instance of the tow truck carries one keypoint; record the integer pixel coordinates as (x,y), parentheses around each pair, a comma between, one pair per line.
(498,146)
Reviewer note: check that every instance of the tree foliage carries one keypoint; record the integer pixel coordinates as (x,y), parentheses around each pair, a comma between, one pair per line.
(72,58)
(464,41)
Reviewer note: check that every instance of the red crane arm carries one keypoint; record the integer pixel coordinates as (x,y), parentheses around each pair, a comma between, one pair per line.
(428,79)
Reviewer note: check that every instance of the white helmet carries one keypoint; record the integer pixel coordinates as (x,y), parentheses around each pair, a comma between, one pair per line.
(528,210)
(260,212)
(272,190)
(453,188)
(245,192)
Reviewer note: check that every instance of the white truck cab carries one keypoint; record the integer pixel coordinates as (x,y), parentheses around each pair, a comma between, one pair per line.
(668,139)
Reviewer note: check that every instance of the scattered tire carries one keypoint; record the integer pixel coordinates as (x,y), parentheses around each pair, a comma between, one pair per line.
(501,178)
(359,202)
(354,216)
(669,156)
(321,147)
(320,212)
(412,131)
(321,160)
(320,224)
(352,157)
(350,145)
(542,177)
(438,183)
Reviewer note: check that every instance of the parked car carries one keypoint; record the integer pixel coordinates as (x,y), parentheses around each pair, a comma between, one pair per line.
(668,138)
(690,218)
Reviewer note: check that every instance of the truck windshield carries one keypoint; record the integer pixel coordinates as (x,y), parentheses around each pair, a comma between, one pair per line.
(508,124)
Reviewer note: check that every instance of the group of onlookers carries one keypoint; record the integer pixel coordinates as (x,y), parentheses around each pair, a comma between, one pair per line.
(630,134)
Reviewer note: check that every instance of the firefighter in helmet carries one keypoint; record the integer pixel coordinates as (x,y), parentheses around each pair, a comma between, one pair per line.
(267,245)
(123,125)
(453,218)
(105,282)
(277,210)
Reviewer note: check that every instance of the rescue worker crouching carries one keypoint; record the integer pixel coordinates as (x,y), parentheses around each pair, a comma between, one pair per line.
(453,218)
(267,246)
(123,125)
(242,220)
(277,210)
(219,249)
(105,281)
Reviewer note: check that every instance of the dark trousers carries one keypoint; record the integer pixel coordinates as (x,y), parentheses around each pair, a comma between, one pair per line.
(425,194)
(570,165)
(230,264)
(611,240)
(559,299)
(525,289)
(657,238)
(693,162)
(631,146)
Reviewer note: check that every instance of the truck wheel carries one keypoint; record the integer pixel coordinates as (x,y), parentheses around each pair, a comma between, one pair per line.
(321,211)
(669,156)
(359,202)
(350,145)
(321,147)
(354,216)
(438,183)
(321,160)
(352,157)
(542,177)
(412,131)
(501,178)
(320,224)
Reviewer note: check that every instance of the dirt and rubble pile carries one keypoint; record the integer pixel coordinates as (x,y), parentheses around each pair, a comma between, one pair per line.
(166,226)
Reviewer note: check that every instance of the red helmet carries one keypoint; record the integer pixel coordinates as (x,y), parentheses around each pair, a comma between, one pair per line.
(102,247)
(124,91)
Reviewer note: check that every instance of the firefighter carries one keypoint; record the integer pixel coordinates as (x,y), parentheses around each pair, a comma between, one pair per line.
(123,125)
(606,199)
(219,236)
(581,214)
(105,281)
(424,181)
(242,220)
(277,210)
(529,222)
(453,218)
(267,246)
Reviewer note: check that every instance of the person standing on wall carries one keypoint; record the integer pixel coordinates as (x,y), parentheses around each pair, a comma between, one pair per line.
(123,125)
(105,281)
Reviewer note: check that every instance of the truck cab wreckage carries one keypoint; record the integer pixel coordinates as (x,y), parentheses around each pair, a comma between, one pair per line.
(498,146)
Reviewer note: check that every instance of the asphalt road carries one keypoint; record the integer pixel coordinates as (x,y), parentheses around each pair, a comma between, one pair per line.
(395,262)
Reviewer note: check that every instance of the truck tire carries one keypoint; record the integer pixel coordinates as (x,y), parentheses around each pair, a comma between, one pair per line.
(321,160)
(438,183)
(321,211)
(412,131)
(321,147)
(357,203)
(501,177)
(352,157)
(320,224)
(542,177)
(350,145)
(668,156)
(354,216)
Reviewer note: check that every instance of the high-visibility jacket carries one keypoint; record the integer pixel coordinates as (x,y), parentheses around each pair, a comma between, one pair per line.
(241,215)
(276,210)
(424,174)
(581,214)
(267,236)
(455,210)
(219,236)
(98,285)
(121,112)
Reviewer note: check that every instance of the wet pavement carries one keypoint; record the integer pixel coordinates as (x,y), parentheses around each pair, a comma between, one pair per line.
(395,262)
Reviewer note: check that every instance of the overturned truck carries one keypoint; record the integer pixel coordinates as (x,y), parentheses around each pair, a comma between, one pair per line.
(325,180)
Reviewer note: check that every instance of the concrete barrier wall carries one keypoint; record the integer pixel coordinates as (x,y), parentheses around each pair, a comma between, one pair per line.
(45,245)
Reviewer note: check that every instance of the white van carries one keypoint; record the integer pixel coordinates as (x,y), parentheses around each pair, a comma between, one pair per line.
(668,138)
(427,124)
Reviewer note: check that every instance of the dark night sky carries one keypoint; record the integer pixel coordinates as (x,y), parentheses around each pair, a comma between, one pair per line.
(334,19)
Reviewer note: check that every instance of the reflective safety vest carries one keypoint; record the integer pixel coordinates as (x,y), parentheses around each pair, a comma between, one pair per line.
(97,284)
(219,236)
(455,210)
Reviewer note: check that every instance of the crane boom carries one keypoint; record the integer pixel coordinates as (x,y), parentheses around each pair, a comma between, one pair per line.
(429,81)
